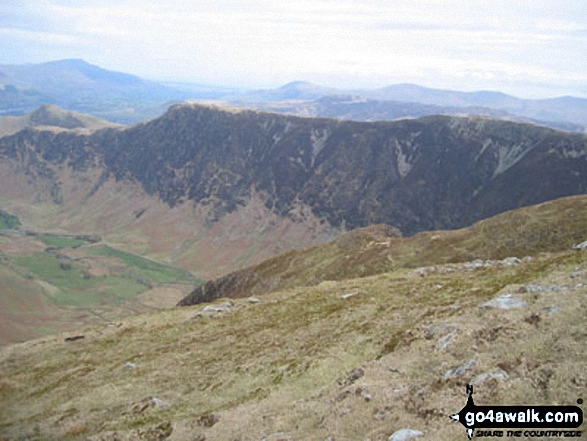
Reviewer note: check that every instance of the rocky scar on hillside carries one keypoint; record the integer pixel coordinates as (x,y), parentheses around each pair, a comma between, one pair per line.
(428,173)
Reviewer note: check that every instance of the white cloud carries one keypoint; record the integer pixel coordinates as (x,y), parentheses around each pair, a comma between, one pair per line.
(449,43)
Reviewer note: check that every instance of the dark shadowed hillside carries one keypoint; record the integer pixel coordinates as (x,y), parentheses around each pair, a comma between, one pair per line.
(429,173)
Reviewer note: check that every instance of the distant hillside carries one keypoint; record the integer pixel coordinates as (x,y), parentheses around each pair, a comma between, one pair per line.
(563,109)
(551,226)
(363,109)
(51,116)
(402,100)
(297,90)
(79,86)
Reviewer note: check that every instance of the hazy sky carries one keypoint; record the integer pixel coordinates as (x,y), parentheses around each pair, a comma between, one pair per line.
(530,48)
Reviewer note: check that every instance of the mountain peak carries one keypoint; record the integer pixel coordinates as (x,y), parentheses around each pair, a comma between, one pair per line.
(298,84)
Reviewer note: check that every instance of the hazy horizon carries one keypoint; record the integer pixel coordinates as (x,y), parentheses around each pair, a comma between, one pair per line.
(529,49)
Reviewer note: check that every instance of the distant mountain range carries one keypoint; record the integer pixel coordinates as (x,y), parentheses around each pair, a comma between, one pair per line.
(118,97)
(410,100)
(365,109)
(79,86)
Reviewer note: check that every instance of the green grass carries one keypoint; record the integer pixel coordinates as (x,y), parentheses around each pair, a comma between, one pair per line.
(148,270)
(8,220)
(61,242)
(74,289)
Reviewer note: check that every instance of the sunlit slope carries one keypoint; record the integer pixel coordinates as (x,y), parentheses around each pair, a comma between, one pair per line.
(550,226)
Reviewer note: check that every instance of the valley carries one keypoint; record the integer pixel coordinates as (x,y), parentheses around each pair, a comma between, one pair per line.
(52,283)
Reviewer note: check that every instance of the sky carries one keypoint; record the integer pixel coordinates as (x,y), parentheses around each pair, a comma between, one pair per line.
(530,49)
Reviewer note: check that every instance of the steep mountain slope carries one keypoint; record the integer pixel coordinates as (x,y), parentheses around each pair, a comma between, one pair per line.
(354,359)
(201,166)
(551,226)
(51,116)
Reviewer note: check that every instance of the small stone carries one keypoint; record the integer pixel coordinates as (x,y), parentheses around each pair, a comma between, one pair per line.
(211,309)
(366,395)
(253,300)
(553,310)
(499,375)
(226,305)
(438,330)
(511,261)
(445,341)
(580,246)
(160,403)
(348,295)
(546,288)
(421,272)
(405,435)
(477,263)
(505,301)
(208,420)
(130,365)
(461,370)
(277,436)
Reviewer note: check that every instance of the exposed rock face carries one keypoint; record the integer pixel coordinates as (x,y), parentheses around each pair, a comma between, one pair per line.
(430,173)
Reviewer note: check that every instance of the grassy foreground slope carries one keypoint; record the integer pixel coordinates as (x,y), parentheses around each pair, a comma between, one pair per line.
(551,226)
(353,359)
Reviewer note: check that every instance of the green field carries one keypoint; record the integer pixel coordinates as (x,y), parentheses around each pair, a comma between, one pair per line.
(60,241)
(148,270)
(73,287)
(51,283)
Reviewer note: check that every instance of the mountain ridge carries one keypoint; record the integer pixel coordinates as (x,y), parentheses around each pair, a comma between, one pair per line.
(219,157)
